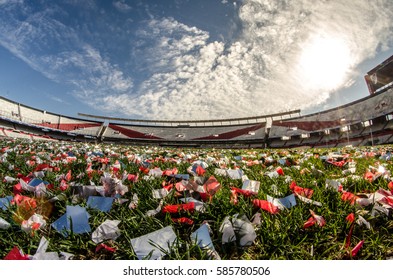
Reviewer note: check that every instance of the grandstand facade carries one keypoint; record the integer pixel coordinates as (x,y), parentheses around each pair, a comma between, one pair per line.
(367,121)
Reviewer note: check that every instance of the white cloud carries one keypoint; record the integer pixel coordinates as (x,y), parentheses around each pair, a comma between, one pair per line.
(193,78)
(122,6)
(58,99)
(56,51)
(4,2)
(100,78)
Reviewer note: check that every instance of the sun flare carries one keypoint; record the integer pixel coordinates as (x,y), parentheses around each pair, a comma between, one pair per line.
(324,63)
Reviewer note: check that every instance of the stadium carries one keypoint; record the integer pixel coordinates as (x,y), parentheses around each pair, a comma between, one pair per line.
(278,186)
(367,121)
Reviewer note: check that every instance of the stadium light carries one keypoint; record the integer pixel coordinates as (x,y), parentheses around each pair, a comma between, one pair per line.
(367,123)
(345,128)
(285,138)
(305,135)
(389,117)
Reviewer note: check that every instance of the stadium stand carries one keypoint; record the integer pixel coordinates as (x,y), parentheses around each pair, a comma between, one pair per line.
(246,132)
(44,124)
(189,133)
(367,121)
(349,124)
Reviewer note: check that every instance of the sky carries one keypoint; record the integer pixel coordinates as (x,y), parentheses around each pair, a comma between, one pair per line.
(190,60)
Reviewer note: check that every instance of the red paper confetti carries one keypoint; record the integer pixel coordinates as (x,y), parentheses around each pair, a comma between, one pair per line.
(357,248)
(266,205)
(176,208)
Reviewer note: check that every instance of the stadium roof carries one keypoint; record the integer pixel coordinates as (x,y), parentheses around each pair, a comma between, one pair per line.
(290,113)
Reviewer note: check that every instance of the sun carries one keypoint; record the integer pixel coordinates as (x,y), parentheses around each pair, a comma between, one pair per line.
(324,63)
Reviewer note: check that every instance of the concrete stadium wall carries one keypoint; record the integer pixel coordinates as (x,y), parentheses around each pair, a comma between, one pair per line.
(22,113)
(350,114)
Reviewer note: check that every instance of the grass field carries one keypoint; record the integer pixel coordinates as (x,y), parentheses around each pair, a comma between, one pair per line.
(361,175)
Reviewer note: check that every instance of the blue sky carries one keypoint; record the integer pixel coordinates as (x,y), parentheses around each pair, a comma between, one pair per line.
(200,59)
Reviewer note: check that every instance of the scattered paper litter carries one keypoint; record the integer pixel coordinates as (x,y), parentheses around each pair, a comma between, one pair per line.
(309,201)
(101,203)
(108,230)
(245,230)
(228,233)
(202,238)
(283,203)
(5,202)
(153,244)
(75,215)
(4,224)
